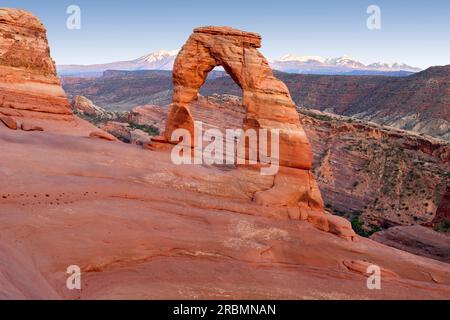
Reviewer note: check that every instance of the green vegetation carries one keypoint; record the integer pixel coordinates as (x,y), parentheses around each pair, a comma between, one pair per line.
(443,226)
(355,220)
(358,227)
(95,120)
(321,117)
(151,130)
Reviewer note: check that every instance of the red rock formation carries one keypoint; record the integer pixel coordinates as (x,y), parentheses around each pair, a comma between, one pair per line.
(417,240)
(25,126)
(378,175)
(443,210)
(29,88)
(9,122)
(86,107)
(102,135)
(118,130)
(349,154)
(141,227)
(149,115)
(267,104)
(266,99)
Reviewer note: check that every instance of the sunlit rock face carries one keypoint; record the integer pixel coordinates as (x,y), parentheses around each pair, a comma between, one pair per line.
(268,105)
(140,227)
(29,88)
(265,98)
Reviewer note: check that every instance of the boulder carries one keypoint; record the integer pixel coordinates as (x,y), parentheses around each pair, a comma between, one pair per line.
(139,137)
(85,106)
(26,126)
(9,122)
(102,135)
(118,129)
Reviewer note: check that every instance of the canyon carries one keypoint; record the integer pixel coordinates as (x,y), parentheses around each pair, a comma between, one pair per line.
(141,227)
(419,102)
(373,175)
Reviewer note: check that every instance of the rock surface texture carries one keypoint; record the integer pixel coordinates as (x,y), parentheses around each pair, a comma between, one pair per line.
(353,163)
(29,88)
(417,240)
(267,104)
(141,227)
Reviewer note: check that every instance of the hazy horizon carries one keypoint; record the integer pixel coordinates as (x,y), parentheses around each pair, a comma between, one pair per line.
(411,32)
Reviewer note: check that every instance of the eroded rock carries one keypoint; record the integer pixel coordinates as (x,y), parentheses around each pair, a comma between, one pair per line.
(266,99)
(102,135)
(268,105)
(29,87)
(85,106)
(9,122)
(26,126)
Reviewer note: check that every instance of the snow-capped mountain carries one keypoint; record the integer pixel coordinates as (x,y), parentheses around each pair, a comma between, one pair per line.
(158,60)
(163,60)
(291,57)
(341,65)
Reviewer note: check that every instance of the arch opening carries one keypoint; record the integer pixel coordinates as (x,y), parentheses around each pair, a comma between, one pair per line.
(266,100)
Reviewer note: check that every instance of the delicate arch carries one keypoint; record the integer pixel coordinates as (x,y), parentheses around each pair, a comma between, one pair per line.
(266,99)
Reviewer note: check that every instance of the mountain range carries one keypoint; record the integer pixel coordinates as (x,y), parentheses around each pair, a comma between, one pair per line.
(163,60)
(341,65)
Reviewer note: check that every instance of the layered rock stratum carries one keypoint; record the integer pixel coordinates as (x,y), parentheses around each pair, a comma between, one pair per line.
(30,92)
(418,240)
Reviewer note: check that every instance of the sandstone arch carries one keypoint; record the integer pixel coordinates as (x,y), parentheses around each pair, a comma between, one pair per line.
(266,99)
(268,105)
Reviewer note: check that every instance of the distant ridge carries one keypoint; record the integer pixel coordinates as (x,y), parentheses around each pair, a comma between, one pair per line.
(164,59)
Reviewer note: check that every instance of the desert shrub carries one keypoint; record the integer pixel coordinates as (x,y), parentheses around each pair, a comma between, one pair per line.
(151,130)
(358,227)
(443,226)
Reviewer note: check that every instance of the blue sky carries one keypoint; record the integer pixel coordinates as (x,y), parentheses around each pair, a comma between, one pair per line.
(413,32)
